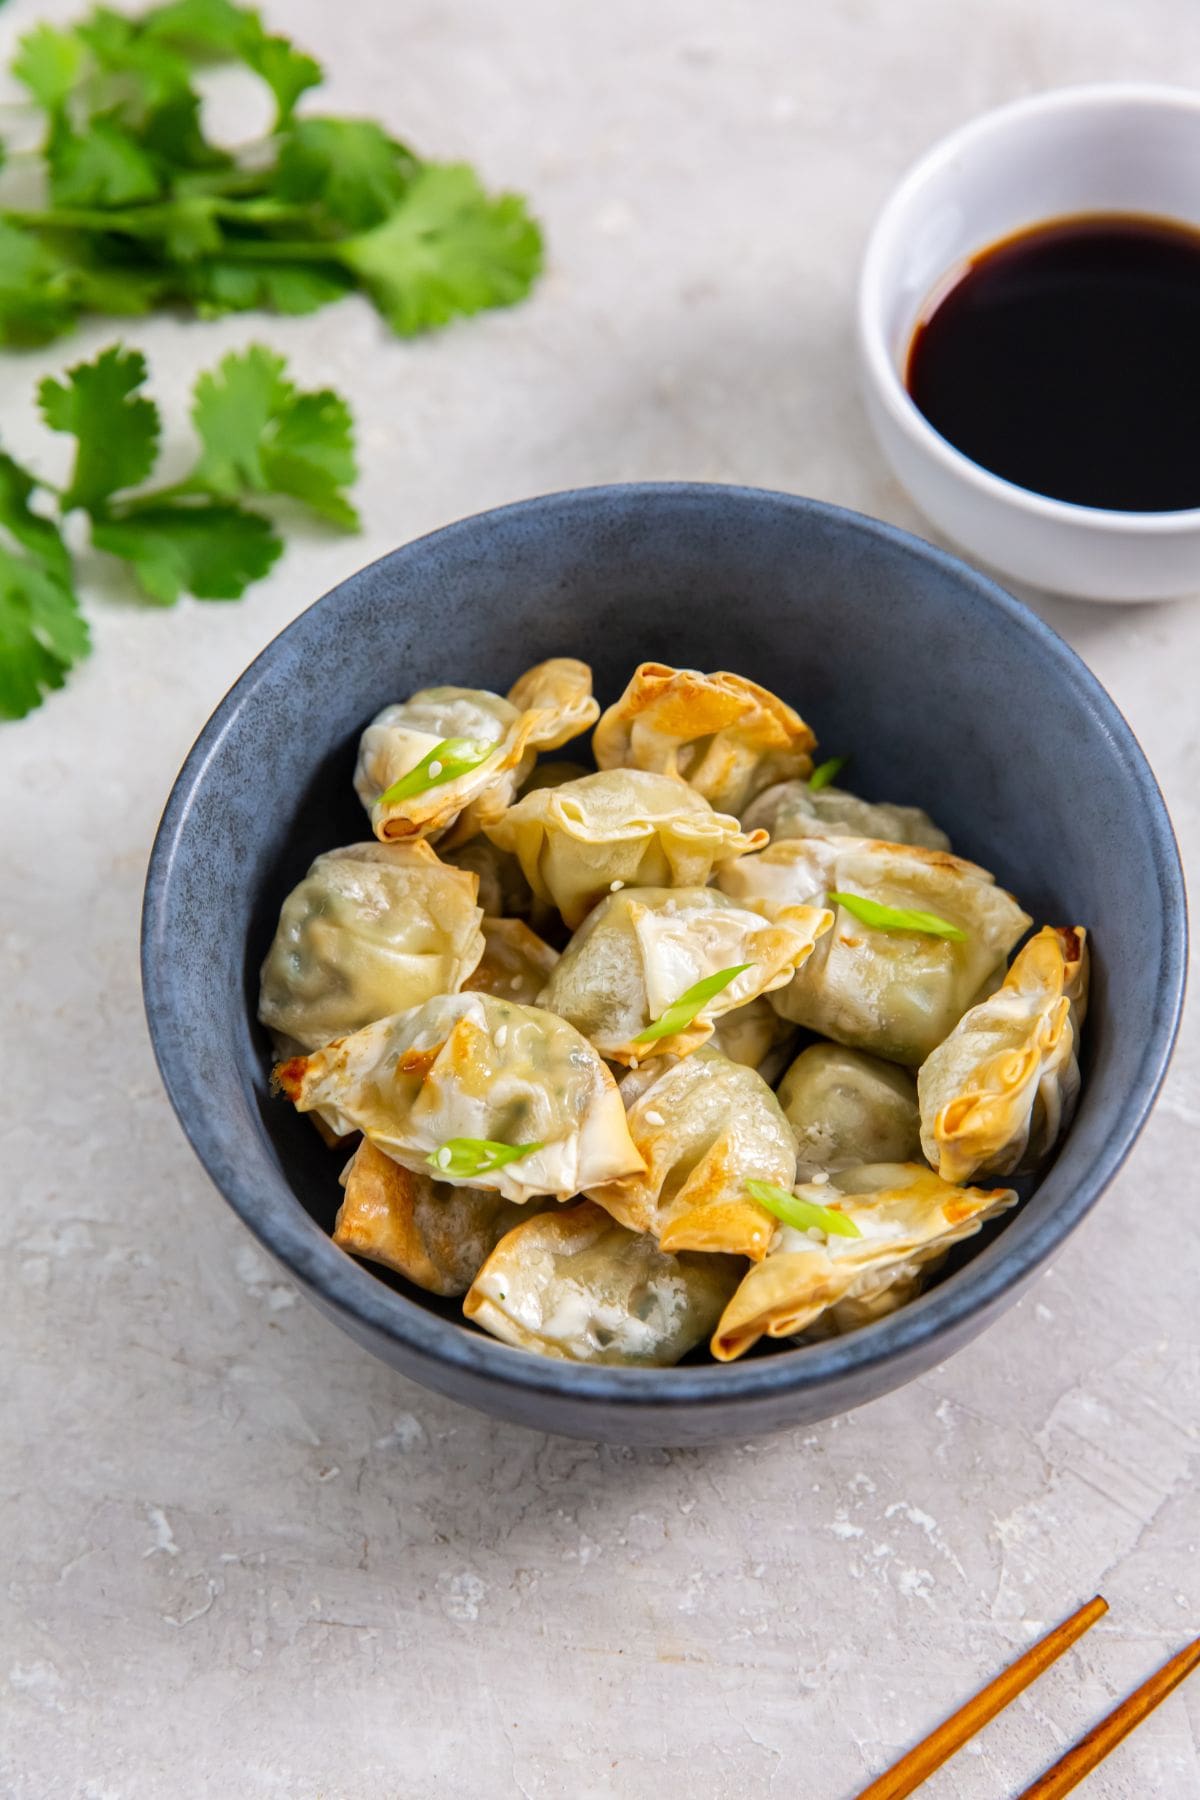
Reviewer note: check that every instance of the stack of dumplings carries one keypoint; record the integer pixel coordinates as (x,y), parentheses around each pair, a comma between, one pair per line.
(694,1047)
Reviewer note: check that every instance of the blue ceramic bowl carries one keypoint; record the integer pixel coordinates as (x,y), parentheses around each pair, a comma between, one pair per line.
(949,693)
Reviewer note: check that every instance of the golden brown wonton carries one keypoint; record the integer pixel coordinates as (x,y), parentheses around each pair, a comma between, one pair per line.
(726,736)
(907,1217)
(620,828)
(704,1127)
(641,949)
(435,1235)
(894,993)
(545,708)
(471,1067)
(575,1285)
(996,1094)
(516,962)
(371,930)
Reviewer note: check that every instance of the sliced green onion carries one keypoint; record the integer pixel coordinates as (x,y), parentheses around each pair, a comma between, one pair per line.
(681,1012)
(895,918)
(445,762)
(803,1214)
(826,772)
(475,1156)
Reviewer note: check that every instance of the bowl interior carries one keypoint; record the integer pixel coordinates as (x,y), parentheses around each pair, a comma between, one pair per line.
(943,689)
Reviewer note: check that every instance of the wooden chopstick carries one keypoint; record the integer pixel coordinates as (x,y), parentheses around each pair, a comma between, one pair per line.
(954,1732)
(1083,1757)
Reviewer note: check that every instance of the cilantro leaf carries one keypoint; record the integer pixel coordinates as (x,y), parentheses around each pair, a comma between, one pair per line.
(116,429)
(213,550)
(102,166)
(30,529)
(260,434)
(42,632)
(219,285)
(448,249)
(136,73)
(215,26)
(33,305)
(351,168)
(49,62)
(288,73)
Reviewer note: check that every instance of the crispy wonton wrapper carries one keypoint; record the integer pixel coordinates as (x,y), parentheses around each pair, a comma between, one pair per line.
(704,1127)
(998,1092)
(726,736)
(907,1216)
(575,1285)
(792,809)
(619,828)
(471,1067)
(641,949)
(371,930)
(436,1236)
(516,962)
(545,708)
(896,994)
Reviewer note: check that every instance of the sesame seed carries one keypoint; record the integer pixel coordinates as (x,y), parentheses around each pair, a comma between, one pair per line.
(435,768)
(655,1118)
(515,983)
(615,887)
(501,1037)
(443,1158)
(817,1235)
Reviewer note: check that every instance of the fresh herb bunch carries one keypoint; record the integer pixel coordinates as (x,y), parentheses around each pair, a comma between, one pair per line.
(141,210)
(258,436)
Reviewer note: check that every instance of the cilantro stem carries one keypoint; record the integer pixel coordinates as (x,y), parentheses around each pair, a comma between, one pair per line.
(273,250)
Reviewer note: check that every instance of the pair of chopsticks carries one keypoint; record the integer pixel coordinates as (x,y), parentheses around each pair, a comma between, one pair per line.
(908,1774)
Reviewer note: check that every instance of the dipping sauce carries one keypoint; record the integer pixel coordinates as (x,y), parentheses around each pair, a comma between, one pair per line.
(1067,360)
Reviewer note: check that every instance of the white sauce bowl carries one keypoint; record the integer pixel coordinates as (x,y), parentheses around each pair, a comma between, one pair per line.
(1126,148)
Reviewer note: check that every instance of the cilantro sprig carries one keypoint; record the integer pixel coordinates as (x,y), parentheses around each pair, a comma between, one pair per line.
(259,436)
(142,210)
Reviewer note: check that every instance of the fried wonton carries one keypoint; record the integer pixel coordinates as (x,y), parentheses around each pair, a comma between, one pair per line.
(641,949)
(516,962)
(504,892)
(726,736)
(576,1285)
(996,1094)
(549,705)
(704,1127)
(755,1034)
(791,809)
(435,1235)
(848,1108)
(371,930)
(896,993)
(619,828)
(907,1217)
(468,1070)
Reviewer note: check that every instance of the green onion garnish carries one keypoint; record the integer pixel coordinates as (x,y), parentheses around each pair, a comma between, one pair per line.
(681,1012)
(895,918)
(476,1156)
(447,760)
(826,772)
(803,1214)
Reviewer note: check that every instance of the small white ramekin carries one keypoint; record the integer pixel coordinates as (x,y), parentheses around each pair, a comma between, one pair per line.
(1120,147)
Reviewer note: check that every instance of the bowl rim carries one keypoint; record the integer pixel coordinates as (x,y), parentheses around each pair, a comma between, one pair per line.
(875,353)
(308,1253)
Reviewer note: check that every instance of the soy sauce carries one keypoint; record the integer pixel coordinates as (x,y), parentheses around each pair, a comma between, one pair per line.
(1067,359)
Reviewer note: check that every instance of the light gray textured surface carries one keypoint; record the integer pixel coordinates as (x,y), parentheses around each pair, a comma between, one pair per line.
(243,1558)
